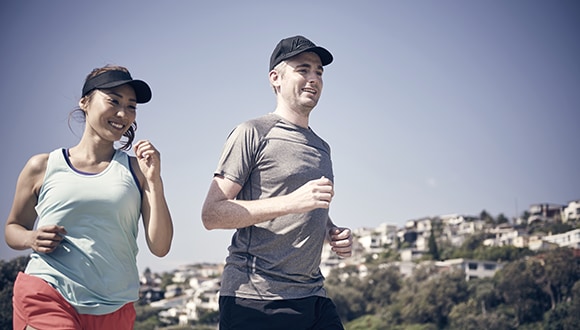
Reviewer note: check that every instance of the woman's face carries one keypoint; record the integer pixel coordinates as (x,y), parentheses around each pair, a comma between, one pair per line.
(110,112)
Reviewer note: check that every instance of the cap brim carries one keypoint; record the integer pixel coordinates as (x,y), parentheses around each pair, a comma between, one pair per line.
(325,56)
(142,90)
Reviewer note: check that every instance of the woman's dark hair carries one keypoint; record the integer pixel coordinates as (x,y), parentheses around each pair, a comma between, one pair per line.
(78,114)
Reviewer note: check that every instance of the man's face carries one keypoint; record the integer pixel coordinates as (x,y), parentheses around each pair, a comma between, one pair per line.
(301,81)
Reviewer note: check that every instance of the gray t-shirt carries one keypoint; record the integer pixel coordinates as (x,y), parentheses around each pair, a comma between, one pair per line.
(280,258)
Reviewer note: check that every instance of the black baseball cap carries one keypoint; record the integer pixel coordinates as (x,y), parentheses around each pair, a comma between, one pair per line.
(293,46)
(114,78)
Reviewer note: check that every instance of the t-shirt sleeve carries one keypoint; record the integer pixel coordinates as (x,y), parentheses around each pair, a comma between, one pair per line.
(239,154)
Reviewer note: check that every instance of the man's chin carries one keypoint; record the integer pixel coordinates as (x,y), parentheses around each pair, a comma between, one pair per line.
(310,102)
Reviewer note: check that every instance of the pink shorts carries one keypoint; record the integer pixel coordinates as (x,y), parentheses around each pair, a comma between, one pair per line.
(38,304)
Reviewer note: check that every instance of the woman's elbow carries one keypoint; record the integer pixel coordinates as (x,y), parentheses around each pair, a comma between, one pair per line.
(161,252)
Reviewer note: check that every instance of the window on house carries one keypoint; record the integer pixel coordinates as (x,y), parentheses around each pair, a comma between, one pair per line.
(472,265)
(488,266)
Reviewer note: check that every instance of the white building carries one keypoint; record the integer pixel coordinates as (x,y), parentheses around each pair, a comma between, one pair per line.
(456,228)
(545,212)
(571,212)
(569,239)
(411,254)
(472,268)
(375,240)
(505,235)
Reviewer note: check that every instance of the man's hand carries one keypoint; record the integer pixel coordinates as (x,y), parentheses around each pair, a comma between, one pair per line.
(341,241)
(314,194)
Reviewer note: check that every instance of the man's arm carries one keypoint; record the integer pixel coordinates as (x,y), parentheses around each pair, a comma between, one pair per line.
(221,209)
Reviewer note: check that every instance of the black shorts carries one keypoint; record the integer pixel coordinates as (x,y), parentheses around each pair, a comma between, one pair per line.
(314,313)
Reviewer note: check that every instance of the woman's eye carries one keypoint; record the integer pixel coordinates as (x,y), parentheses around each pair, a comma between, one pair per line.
(113,101)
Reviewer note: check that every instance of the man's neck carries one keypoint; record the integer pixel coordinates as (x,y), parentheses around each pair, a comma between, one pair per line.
(296,117)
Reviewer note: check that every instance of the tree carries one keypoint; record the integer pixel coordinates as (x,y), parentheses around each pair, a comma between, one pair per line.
(556,272)
(8,272)
(468,247)
(349,301)
(471,315)
(366,322)
(346,290)
(433,300)
(484,292)
(500,253)
(486,217)
(566,315)
(383,284)
(525,215)
(519,289)
(501,218)
(146,318)
(562,317)
(433,251)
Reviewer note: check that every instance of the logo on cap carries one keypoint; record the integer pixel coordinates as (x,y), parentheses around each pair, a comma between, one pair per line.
(293,46)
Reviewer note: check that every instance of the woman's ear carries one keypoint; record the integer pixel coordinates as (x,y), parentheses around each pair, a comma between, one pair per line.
(83,103)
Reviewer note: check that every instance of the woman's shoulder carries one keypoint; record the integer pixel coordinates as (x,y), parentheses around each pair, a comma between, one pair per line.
(40,161)
(37,163)
(33,172)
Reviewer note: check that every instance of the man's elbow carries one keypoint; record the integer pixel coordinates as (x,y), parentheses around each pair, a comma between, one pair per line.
(208,219)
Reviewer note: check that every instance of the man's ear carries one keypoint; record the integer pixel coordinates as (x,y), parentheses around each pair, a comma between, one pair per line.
(274,78)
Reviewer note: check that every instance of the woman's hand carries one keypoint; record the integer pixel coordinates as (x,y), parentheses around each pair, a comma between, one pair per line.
(47,238)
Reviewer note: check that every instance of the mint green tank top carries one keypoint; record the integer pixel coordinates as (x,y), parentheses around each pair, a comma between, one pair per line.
(95,267)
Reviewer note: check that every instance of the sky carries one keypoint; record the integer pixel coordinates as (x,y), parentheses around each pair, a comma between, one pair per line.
(430,107)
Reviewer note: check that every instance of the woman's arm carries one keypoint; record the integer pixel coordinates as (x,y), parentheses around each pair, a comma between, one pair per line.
(19,231)
(154,210)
